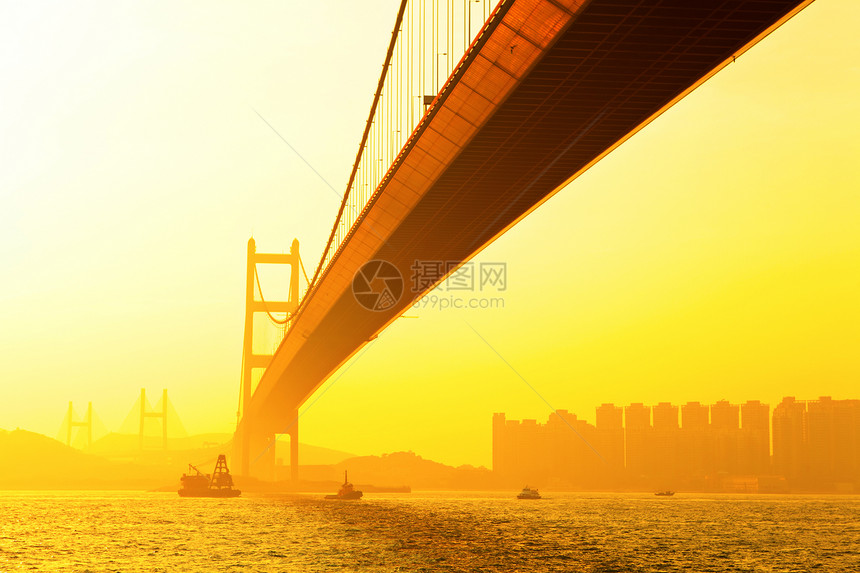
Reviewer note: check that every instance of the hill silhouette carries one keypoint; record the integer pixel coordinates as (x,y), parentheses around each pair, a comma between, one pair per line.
(408,468)
(33,461)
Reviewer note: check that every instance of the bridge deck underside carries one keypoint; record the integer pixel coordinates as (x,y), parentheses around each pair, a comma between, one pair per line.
(615,66)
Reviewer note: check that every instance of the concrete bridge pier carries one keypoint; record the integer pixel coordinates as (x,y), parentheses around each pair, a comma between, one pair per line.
(255,447)
(255,451)
(293,433)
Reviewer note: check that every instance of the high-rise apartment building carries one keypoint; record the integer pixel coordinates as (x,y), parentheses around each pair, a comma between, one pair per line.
(503,456)
(754,454)
(610,437)
(832,441)
(637,438)
(725,431)
(789,440)
(694,460)
(664,443)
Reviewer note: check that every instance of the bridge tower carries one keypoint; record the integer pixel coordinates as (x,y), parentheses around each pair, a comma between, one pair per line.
(162,414)
(86,423)
(253,436)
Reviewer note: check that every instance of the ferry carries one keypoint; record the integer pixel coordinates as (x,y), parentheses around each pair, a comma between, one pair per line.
(665,493)
(197,484)
(528,493)
(346,491)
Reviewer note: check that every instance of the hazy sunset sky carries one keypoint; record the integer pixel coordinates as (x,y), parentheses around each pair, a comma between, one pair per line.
(715,255)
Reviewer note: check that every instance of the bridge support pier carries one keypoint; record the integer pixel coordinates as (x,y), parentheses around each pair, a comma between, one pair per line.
(258,458)
(255,445)
(293,433)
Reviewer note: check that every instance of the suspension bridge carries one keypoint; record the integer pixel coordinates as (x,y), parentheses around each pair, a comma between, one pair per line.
(482,112)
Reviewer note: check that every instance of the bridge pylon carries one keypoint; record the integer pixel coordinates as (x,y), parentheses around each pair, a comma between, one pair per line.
(162,414)
(86,423)
(254,443)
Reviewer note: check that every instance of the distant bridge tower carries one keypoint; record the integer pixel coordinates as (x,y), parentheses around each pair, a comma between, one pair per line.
(86,423)
(253,430)
(162,414)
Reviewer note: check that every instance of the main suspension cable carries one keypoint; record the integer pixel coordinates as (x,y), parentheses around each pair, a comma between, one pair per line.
(355,166)
(263,300)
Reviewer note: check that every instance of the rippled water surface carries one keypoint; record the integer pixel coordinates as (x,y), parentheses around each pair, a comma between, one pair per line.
(428,532)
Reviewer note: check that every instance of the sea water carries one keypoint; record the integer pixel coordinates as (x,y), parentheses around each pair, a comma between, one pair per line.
(138,531)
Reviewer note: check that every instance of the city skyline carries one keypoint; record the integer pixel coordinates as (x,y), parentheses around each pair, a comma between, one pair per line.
(806,445)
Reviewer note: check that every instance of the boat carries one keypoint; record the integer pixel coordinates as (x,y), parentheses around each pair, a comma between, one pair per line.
(346,491)
(665,493)
(528,493)
(197,484)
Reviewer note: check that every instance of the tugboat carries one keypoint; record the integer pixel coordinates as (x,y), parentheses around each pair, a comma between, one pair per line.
(528,493)
(665,493)
(198,484)
(346,491)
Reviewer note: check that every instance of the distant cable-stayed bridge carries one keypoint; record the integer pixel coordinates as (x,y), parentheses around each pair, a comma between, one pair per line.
(163,414)
(481,113)
(81,431)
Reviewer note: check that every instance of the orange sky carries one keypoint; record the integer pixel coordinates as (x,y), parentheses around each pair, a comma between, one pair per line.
(714,255)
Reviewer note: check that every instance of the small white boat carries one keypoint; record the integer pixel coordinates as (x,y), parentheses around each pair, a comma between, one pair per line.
(528,493)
